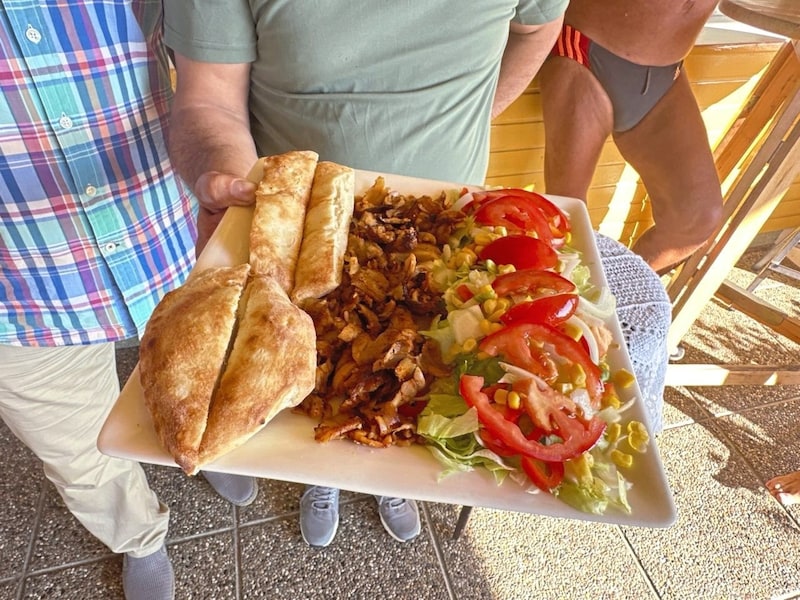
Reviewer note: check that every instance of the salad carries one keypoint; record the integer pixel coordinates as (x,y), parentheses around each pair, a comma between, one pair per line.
(531,396)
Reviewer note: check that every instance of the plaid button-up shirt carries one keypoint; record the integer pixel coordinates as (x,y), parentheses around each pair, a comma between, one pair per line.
(95,227)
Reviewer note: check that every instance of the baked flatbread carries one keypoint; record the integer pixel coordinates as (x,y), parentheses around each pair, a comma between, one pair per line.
(327,224)
(271,367)
(280,208)
(182,353)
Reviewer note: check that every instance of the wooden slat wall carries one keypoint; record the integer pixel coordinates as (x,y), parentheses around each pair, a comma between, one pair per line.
(721,77)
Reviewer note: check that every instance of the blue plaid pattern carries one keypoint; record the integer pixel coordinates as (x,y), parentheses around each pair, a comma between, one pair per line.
(95,227)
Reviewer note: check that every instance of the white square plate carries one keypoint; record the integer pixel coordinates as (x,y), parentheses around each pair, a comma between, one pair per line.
(286,450)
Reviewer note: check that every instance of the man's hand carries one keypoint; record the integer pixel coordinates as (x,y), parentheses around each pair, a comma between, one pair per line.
(210,138)
(215,192)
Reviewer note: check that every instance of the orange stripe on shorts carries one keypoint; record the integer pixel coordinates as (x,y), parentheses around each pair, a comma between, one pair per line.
(571,43)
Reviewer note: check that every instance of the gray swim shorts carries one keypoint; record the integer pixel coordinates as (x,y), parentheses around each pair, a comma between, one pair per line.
(632,88)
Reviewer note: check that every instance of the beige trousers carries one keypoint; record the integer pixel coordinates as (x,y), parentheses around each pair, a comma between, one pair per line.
(56,400)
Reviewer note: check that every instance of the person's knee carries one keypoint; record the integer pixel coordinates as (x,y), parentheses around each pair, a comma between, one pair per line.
(703,220)
(691,223)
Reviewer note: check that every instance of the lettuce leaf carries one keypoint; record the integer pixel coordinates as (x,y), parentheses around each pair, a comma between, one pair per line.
(452,440)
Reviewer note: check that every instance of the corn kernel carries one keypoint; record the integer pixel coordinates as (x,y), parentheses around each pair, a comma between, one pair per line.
(501,396)
(486,326)
(495,316)
(489,306)
(482,238)
(583,468)
(503,304)
(464,260)
(638,438)
(572,331)
(513,400)
(621,459)
(469,345)
(578,375)
(612,400)
(506,269)
(623,378)
(493,327)
(613,432)
(637,427)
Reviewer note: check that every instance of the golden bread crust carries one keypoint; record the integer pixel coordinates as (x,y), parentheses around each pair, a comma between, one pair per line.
(271,367)
(327,224)
(279,213)
(181,354)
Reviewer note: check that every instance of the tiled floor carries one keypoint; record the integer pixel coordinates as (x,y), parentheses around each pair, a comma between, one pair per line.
(731,539)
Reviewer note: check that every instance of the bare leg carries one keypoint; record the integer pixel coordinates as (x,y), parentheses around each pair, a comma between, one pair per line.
(578,120)
(669,149)
(786,488)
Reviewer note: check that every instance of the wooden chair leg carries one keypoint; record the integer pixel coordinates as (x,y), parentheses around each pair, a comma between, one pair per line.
(463,517)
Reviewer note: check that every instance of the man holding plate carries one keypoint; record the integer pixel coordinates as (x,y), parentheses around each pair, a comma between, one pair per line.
(386,87)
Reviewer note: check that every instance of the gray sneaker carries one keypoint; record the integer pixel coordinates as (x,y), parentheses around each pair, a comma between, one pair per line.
(239,490)
(148,578)
(319,515)
(400,517)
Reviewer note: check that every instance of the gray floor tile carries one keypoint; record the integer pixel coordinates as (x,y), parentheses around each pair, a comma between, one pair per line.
(724,336)
(681,407)
(20,491)
(517,556)
(127,357)
(195,508)
(362,562)
(767,437)
(275,498)
(9,588)
(731,540)
(205,567)
(60,538)
(95,580)
(278,498)
(723,400)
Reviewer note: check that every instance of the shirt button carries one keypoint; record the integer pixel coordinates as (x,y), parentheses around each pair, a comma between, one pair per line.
(33,34)
(110,246)
(90,191)
(65,121)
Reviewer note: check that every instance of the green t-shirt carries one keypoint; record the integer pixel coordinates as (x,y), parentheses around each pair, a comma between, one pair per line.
(391,86)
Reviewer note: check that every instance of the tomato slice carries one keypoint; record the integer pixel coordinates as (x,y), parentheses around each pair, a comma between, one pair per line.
(531,281)
(545,475)
(495,445)
(557,218)
(463,292)
(577,435)
(516,214)
(522,251)
(550,310)
(513,343)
